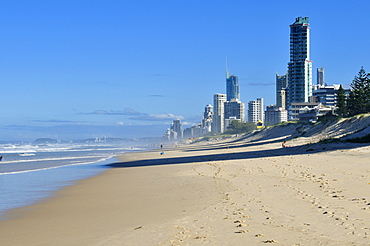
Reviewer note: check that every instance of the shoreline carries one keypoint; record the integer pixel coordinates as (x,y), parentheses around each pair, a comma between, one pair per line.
(50,180)
(225,193)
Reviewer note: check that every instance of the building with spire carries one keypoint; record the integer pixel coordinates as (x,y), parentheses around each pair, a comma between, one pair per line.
(300,65)
(232,87)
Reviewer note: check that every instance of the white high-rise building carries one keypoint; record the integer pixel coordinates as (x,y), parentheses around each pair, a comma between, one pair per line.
(207,119)
(219,113)
(255,111)
(177,128)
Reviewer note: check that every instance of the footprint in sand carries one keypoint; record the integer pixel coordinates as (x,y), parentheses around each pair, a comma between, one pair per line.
(270,241)
(242,231)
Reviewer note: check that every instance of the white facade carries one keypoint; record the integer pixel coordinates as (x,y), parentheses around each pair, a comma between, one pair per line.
(207,119)
(255,111)
(219,113)
(177,128)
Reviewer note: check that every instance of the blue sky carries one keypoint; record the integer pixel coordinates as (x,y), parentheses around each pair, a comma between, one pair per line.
(72,69)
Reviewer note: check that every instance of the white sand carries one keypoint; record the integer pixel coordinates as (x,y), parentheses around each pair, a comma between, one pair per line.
(226,193)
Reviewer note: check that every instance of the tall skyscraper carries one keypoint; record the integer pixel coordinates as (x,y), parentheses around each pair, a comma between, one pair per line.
(281,87)
(320,77)
(219,113)
(232,87)
(300,66)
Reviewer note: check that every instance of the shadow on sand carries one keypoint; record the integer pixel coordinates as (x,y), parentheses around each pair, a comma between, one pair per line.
(230,145)
(297,150)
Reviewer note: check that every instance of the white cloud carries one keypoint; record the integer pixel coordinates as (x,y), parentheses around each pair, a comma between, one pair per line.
(157,117)
(125,111)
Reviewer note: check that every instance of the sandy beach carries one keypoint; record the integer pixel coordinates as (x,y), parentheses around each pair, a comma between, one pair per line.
(241,191)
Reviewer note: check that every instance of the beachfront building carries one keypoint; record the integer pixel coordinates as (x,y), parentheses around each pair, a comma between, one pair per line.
(207,119)
(326,95)
(299,108)
(310,112)
(232,87)
(299,66)
(219,113)
(275,115)
(320,76)
(255,111)
(281,87)
(234,109)
(193,132)
(167,135)
(176,130)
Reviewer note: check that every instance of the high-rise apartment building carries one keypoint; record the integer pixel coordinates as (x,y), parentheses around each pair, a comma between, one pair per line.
(177,128)
(234,109)
(219,113)
(255,111)
(299,66)
(281,87)
(320,77)
(232,87)
(207,119)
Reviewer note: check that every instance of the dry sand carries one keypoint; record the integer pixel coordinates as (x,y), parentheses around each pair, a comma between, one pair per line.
(234,192)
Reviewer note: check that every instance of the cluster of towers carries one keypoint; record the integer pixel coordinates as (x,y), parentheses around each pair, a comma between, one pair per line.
(294,93)
(226,108)
(296,85)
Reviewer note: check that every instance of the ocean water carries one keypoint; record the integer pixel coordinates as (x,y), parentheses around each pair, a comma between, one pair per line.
(31,172)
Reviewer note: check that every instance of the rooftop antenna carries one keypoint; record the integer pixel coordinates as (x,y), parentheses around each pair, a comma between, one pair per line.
(227,70)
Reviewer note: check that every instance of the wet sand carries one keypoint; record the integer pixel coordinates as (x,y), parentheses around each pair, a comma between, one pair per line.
(231,192)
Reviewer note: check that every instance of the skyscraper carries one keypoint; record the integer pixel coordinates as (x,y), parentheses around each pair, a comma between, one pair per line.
(219,113)
(232,87)
(300,66)
(320,76)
